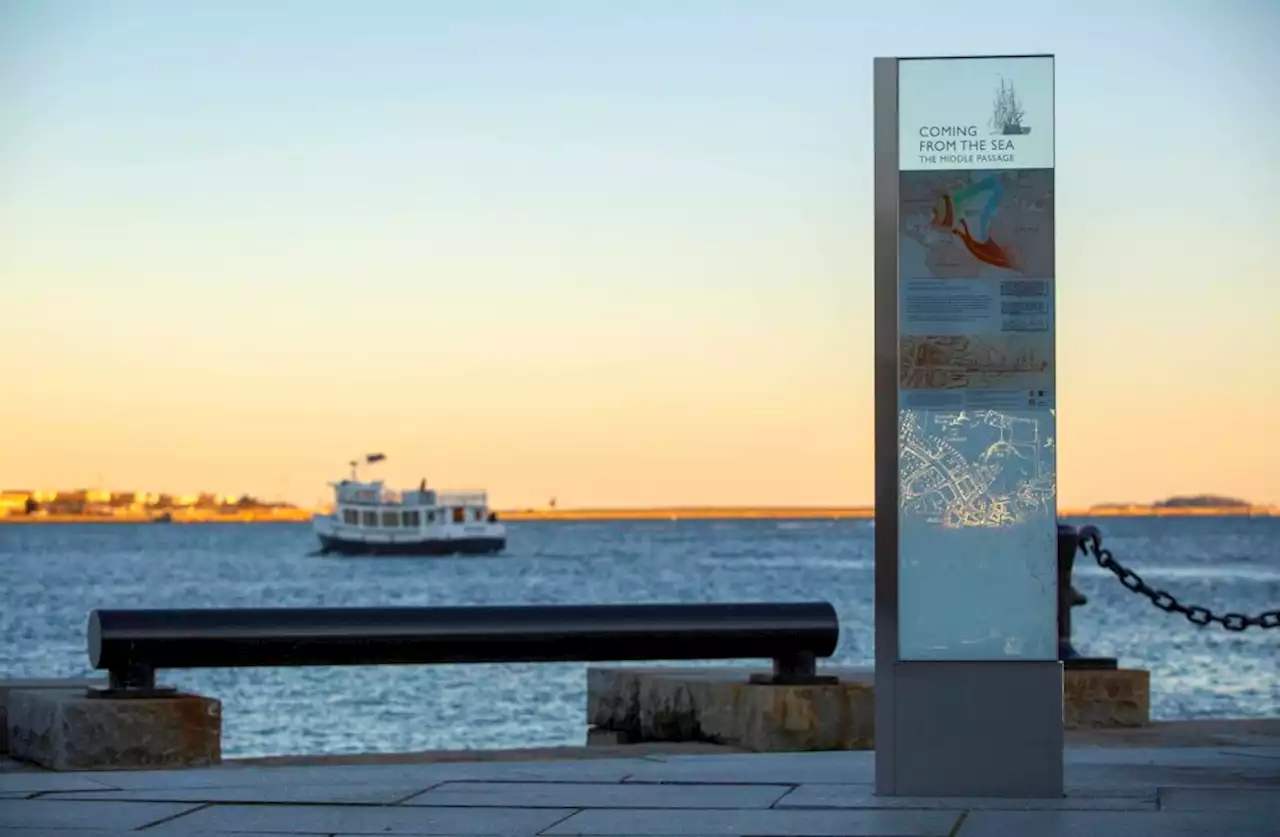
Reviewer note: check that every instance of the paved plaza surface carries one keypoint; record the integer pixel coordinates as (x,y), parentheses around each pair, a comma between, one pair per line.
(1128,792)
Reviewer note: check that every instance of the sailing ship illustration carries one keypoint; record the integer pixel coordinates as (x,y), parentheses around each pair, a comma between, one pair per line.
(1007,115)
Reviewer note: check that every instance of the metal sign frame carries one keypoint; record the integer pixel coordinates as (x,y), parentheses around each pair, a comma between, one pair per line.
(943,727)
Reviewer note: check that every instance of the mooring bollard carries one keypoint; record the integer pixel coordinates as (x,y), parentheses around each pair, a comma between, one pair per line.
(1069,597)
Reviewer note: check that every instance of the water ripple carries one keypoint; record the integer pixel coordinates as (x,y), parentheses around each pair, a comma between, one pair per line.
(53,576)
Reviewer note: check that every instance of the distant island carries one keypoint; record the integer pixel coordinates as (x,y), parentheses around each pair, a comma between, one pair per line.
(1203,501)
(95,506)
(1188,506)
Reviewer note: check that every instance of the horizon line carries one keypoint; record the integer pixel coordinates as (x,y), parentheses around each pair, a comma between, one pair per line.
(671,513)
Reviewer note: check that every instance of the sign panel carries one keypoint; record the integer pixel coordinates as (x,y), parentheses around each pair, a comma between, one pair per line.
(975,113)
(976,364)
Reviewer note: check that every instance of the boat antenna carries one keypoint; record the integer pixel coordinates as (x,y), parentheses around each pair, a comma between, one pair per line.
(369,459)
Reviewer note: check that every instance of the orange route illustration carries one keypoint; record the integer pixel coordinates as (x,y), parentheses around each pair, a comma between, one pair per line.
(982,246)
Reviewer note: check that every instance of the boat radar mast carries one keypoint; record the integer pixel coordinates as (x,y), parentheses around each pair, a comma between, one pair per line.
(369,459)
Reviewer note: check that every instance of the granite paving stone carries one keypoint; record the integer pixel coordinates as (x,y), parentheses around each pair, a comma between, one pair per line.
(1222,799)
(37,782)
(1114,824)
(1211,790)
(99,832)
(1254,773)
(855,767)
(590,795)
(426,774)
(1130,791)
(583,771)
(262,793)
(276,776)
(752,823)
(1261,752)
(864,796)
(777,760)
(51,813)
(332,819)
(1255,752)
(1163,757)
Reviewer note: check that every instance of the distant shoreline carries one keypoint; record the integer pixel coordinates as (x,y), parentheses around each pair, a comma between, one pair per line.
(637,514)
(851,513)
(176,517)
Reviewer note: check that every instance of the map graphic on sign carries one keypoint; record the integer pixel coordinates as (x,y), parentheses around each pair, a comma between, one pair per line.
(970,224)
(980,468)
(995,361)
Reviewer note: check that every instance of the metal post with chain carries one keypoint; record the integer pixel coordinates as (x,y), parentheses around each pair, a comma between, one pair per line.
(1091,544)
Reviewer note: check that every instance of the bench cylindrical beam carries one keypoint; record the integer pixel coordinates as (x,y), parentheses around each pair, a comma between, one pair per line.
(133,644)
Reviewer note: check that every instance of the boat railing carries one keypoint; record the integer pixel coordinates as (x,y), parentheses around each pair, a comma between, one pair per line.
(370,502)
(462,498)
(388,497)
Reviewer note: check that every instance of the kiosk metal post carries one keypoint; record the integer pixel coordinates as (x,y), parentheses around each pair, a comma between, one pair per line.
(968,682)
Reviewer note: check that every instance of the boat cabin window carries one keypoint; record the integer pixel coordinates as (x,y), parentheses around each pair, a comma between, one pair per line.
(351,517)
(478,514)
(431,517)
(391,518)
(459,515)
(370,518)
(412,519)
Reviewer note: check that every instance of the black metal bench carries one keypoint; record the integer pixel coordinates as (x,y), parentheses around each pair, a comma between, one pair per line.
(131,645)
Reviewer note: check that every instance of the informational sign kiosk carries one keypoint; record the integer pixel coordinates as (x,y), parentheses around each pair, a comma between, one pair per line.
(968,683)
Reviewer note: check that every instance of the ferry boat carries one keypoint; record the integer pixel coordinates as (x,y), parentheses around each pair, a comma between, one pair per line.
(369,519)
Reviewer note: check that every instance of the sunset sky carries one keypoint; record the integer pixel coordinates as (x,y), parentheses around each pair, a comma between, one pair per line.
(618,253)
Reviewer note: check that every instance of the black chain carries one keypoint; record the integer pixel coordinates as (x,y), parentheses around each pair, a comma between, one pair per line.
(1091,544)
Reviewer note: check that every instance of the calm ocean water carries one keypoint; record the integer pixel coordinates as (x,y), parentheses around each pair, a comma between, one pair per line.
(53,576)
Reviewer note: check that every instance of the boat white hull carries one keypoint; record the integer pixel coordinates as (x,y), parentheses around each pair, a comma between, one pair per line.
(479,539)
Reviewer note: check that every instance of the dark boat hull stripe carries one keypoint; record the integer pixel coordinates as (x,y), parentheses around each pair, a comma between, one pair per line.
(453,546)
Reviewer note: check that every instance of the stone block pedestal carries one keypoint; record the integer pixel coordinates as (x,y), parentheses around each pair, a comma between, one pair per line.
(7,687)
(1106,698)
(719,705)
(71,730)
